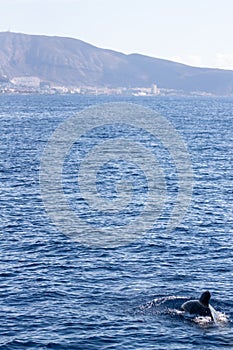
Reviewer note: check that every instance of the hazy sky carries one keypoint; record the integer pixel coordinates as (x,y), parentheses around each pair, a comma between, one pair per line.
(197,32)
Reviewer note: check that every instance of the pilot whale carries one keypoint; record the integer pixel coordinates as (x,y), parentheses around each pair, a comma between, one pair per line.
(199,307)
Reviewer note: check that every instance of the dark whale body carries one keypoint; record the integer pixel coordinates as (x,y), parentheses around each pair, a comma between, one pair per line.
(198,307)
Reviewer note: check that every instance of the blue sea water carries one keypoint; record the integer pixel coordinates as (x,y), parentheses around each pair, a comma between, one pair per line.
(56,293)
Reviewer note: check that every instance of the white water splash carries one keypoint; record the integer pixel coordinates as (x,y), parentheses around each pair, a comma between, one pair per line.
(218,317)
(214,314)
(203,321)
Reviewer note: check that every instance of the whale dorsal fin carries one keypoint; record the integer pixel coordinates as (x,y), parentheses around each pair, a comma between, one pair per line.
(205,298)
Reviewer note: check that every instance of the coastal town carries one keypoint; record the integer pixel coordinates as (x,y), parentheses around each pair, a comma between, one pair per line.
(34,85)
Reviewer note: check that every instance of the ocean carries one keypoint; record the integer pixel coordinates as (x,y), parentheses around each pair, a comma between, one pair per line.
(84,290)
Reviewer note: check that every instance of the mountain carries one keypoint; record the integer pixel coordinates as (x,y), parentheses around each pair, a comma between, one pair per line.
(72,62)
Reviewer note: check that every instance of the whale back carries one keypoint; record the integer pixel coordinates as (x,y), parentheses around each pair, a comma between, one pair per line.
(194,307)
(199,307)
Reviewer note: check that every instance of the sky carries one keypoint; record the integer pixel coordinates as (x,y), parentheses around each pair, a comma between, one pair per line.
(195,32)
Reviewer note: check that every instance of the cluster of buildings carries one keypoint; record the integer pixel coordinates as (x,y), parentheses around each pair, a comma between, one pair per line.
(31,84)
(135,91)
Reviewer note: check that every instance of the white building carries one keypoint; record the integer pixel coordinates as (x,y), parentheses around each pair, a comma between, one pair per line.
(154,89)
(29,81)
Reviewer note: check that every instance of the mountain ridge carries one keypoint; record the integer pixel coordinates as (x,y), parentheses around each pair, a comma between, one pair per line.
(73,62)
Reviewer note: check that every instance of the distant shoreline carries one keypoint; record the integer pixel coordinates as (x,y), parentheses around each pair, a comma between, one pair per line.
(70,64)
